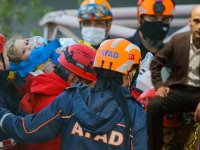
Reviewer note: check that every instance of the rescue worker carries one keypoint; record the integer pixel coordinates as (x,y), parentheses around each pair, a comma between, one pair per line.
(95,19)
(45,87)
(105,116)
(9,97)
(154,17)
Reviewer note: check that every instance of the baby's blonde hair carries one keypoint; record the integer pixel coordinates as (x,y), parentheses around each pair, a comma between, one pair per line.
(12,55)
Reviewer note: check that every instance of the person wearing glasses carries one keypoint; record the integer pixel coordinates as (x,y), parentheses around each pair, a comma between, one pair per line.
(95,19)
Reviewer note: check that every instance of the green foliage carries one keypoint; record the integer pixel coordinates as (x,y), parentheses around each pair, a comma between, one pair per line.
(39,8)
(79,2)
(14,12)
(20,14)
(35,32)
(5,13)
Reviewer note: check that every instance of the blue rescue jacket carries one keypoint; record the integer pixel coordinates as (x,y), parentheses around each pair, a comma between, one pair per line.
(87,119)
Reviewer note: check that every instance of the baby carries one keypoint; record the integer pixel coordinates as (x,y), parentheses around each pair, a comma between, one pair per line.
(20,49)
(27,54)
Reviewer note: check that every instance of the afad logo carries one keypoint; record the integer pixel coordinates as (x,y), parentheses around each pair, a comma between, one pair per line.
(110,53)
(114,138)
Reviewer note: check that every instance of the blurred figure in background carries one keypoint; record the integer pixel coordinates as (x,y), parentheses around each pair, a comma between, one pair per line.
(154,17)
(95,19)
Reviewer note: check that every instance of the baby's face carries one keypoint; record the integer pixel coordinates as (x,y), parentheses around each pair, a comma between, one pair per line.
(23,47)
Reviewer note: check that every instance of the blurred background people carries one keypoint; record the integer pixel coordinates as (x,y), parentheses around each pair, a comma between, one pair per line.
(9,96)
(95,18)
(154,17)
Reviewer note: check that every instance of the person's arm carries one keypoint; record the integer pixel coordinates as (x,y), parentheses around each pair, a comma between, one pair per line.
(139,128)
(34,128)
(37,56)
(44,52)
(160,60)
(140,139)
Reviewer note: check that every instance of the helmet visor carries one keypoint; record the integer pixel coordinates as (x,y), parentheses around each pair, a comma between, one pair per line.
(93,11)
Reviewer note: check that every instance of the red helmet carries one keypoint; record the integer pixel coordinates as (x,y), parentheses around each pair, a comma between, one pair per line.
(2,42)
(170,120)
(78,59)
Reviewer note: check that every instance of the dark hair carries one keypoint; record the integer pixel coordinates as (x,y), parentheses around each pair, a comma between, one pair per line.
(113,80)
(62,72)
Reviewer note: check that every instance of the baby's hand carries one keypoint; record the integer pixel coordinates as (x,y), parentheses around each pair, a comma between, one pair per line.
(66,42)
(163,91)
(38,41)
(60,50)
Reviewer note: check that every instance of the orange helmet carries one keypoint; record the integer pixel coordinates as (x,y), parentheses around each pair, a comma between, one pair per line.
(95,9)
(2,42)
(78,59)
(118,55)
(156,7)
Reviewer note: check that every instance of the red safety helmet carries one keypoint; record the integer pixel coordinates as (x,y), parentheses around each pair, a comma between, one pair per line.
(78,59)
(2,42)
(170,120)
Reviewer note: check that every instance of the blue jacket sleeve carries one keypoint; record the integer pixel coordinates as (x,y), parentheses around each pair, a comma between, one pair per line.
(139,127)
(34,128)
(37,57)
(140,139)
